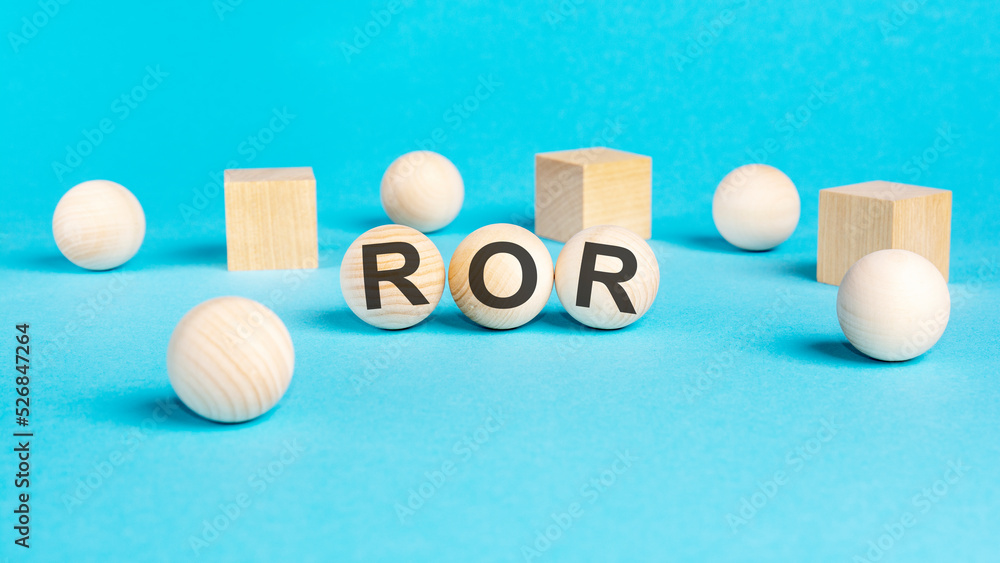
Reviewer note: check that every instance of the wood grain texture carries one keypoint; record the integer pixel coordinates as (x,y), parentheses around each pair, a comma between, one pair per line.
(583,188)
(859,219)
(271,219)
(603,311)
(98,225)
(756,207)
(893,305)
(502,276)
(230,359)
(422,190)
(395,309)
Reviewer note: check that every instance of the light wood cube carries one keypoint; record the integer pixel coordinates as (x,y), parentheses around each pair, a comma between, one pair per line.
(271,219)
(859,219)
(579,189)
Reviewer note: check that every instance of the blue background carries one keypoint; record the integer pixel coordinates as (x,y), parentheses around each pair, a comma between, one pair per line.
(728,380)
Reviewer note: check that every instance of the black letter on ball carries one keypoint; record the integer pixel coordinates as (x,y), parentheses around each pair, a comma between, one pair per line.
(589,275)
(529,275)
(411,261)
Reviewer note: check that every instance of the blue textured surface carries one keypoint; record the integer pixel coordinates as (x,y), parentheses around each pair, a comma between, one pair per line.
(735,375)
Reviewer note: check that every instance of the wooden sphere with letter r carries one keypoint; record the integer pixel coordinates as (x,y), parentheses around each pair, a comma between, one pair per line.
(392,277)
(501,276)
(607,277)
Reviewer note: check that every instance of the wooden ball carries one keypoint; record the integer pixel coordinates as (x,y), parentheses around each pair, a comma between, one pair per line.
(607,277)
(423,190)
(893,305)
(756,207)
(392,277)
(501,276)
(98,225)
(230,359)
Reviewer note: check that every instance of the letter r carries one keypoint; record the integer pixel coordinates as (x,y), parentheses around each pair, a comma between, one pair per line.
(373,276)
(613,280)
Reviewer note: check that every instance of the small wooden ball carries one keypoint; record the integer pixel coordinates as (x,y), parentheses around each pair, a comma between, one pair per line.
(230,359)
(607,277)
(98,225)
(893,305)
(423,190)
(501,276)
(756,207)
(392,277)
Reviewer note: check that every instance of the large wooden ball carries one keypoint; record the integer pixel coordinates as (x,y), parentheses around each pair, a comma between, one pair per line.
(230,359)
(607,277)
(501,276)
(423,190)
(756,207)
(893,305)
(98,225)
(392,277)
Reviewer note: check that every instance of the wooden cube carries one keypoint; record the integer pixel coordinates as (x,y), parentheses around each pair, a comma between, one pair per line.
(859,219)
(271,219)
(579,189)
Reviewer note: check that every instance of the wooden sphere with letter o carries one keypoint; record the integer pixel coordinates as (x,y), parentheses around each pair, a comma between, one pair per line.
(607,277)
(392,277)
(501,276)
